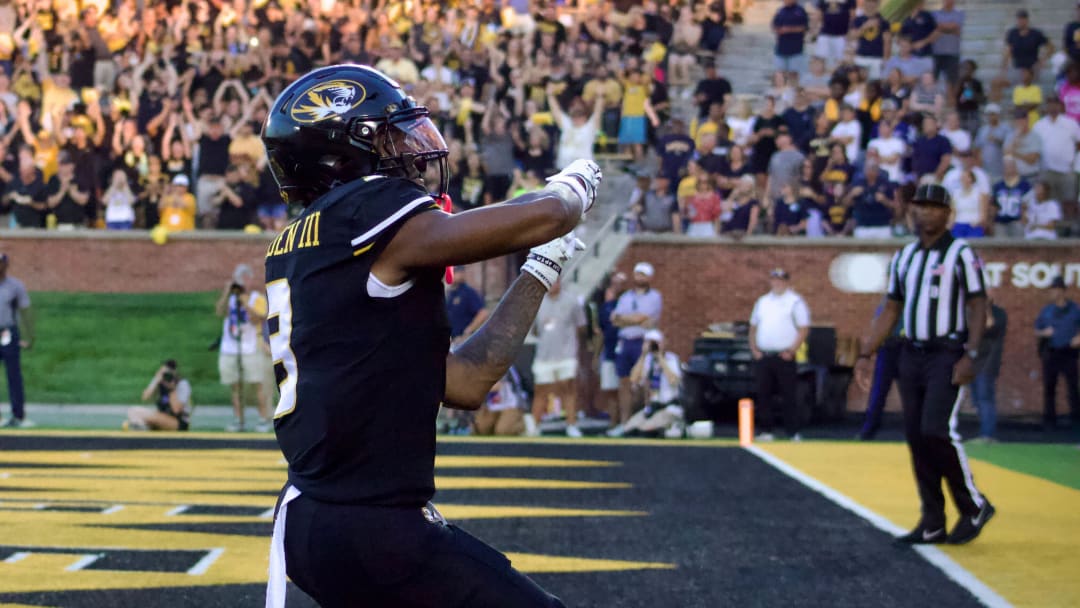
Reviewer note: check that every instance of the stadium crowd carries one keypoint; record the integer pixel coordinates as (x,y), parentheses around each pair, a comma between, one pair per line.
(129,115)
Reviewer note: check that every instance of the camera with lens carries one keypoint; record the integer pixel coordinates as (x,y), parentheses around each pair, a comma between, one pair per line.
(236,288)
(169,374)
(654,347)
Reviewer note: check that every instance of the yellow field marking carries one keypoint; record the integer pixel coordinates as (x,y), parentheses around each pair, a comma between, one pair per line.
(1028,553)
(496,483)
(535,564)
(510,462)
(491,512)
(151,484)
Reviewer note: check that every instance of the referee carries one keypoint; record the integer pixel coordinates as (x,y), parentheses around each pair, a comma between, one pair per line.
(937,292)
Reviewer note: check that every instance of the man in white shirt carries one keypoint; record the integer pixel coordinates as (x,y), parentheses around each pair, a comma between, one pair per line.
(967,162)
(890,150)
(239,360)
(437,73)
(558,325)
(779,325)
(958,137)
(849,133)
(1060,137)
(577,131)
(1041,214)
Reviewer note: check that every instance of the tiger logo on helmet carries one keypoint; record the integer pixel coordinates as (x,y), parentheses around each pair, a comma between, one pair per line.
(327,100)
(340,123)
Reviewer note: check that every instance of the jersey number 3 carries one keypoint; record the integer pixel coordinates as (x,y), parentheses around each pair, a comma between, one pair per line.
(280,322)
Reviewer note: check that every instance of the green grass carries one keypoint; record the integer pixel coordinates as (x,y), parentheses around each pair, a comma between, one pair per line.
(104,348)
(1054,462)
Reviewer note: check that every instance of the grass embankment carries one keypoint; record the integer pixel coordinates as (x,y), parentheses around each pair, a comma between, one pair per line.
(104,348)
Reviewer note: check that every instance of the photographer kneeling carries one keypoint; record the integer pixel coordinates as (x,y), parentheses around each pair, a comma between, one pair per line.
(658,373)
(173,396)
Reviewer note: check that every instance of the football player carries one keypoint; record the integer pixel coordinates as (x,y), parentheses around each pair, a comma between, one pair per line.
(360,342)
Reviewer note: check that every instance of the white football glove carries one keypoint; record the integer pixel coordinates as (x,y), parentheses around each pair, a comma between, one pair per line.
(546,262)
(582,177)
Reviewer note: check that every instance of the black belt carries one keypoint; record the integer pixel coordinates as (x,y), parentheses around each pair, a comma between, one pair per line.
(929,346)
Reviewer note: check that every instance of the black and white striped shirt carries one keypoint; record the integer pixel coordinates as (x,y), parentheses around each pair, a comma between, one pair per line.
(934,284)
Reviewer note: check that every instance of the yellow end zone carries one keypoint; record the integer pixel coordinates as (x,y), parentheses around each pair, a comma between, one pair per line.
(1028,553)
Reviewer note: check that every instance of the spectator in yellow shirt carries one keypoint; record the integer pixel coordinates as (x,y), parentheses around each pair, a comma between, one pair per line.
(56,97)
(715,124)
(397,66)
(635,110)
(177,206)
(1028,95)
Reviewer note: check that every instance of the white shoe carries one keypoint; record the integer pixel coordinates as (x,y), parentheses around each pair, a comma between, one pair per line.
(796,437)
(573,431)
(531,430)
(236,426)
(616,431)
(766,437)
(676,431)
(264,426)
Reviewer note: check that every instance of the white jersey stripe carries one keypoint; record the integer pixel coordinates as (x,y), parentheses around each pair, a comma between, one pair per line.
(383,225)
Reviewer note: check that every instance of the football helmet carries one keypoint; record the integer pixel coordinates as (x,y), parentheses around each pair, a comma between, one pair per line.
(343,122)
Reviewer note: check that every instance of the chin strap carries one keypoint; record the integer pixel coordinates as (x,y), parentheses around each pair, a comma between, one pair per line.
(444,201)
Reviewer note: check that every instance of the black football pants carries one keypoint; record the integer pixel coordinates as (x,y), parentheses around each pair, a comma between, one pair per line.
(1060,362)
(777,378)
(931,404)
(357,557)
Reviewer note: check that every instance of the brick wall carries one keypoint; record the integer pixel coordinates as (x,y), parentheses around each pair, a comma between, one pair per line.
(130,262)
(704,282)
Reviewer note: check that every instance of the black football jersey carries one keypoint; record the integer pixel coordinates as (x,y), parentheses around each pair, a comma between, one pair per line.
(360,377)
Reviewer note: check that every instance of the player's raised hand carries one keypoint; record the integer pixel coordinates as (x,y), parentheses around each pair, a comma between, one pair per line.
(546,262)
(582,177)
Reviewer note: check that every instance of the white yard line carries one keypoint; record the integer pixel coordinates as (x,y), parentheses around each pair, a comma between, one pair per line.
(930,553)
(204,564)
(84,561)
(17,557)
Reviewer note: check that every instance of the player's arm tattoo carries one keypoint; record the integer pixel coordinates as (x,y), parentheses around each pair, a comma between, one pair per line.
(481,361)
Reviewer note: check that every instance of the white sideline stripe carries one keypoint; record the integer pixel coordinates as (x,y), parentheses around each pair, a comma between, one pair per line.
(267,514)
(84,561)
(112,509)
(936,557)
(176,510)
(208,560)
(390,220)
(17,557)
